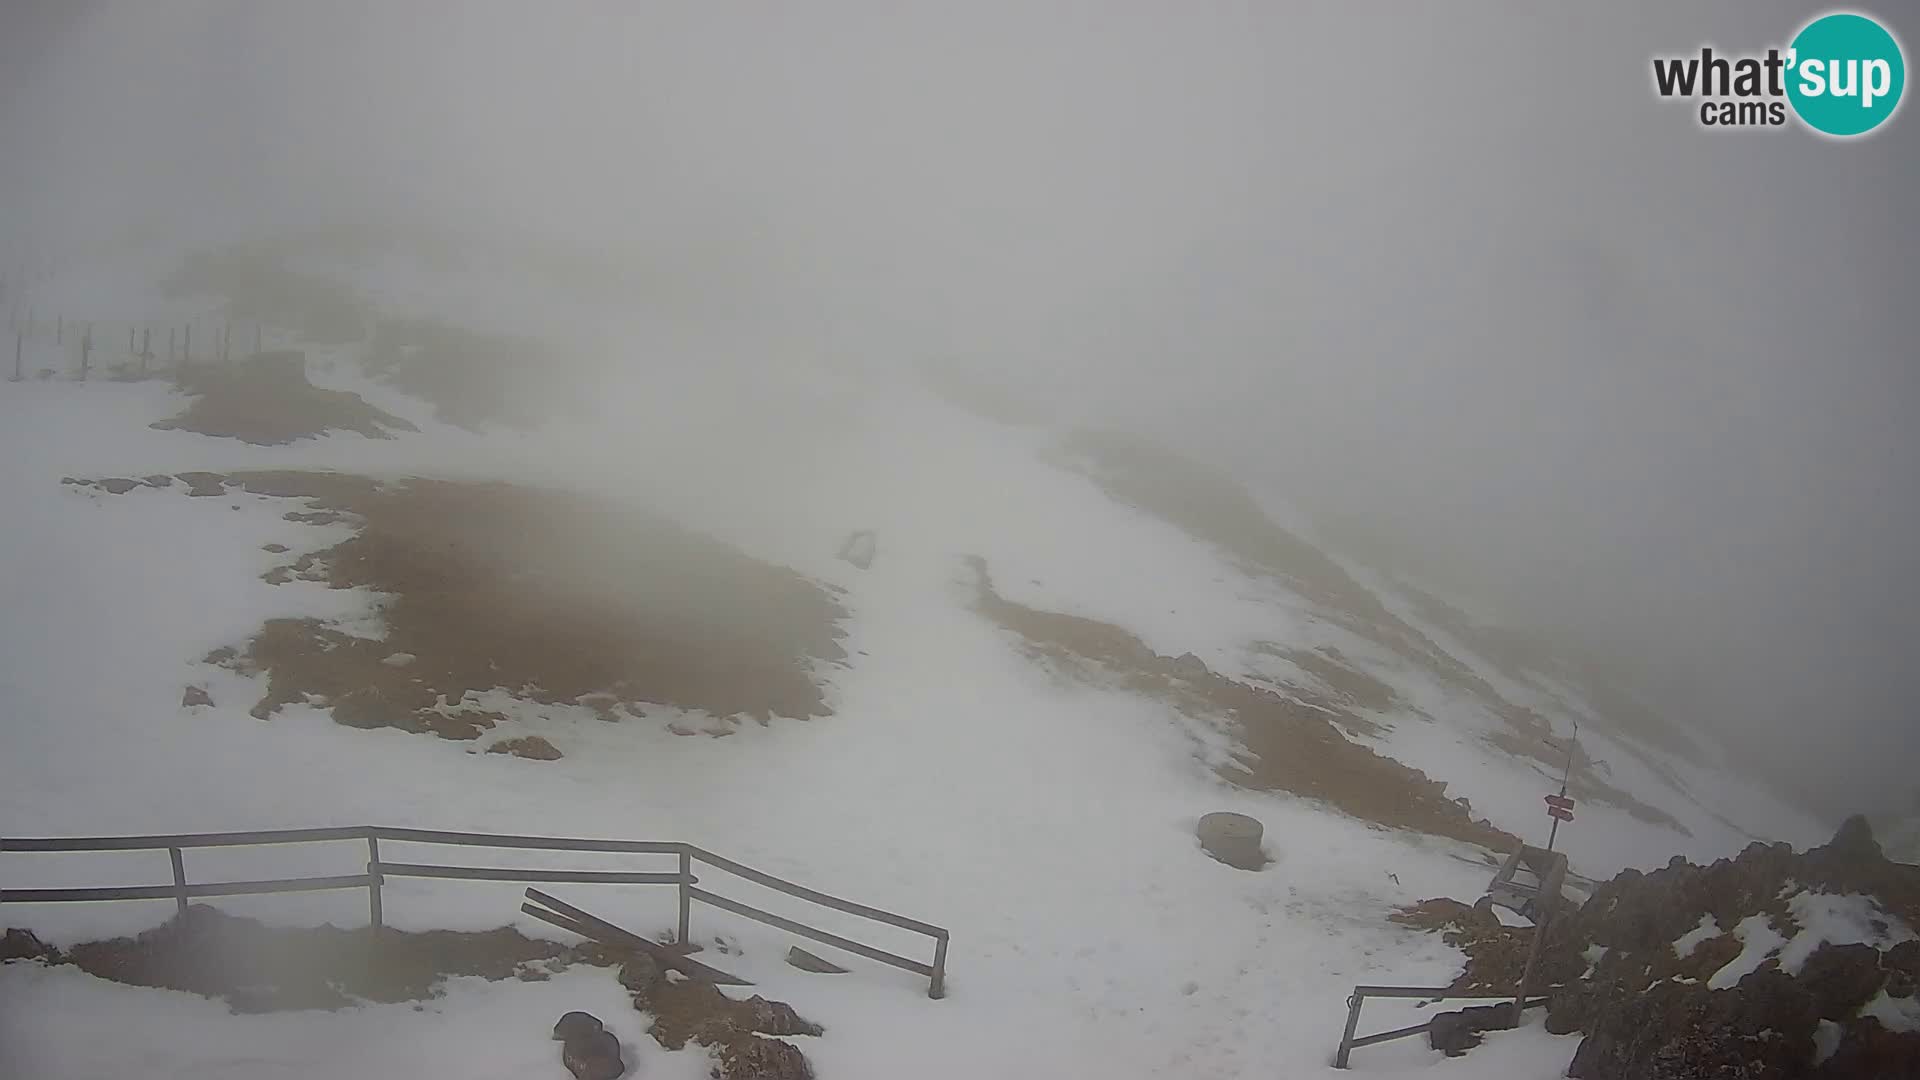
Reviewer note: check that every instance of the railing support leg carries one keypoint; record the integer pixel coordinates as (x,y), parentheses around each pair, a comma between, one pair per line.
(937,986)
(1346,1038)
(373,881)
(179,881)
(686,899)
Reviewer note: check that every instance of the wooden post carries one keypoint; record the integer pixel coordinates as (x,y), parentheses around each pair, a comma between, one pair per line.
(186,351)
(179,881)
(686,898)
(86,350)
(226,340)
(373,884)
(1346,1038)
(937,986)
(17,341)
(171,332)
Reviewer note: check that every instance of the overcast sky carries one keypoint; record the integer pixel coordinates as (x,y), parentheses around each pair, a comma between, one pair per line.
(1448,275)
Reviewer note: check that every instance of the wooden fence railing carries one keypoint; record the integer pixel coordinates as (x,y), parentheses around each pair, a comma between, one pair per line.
(181,890)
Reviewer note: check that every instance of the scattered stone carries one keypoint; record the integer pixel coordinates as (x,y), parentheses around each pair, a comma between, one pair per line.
(1233,839)
(806,961)
(756,1057)
(195,695)
(277,549)
(529,746)
(158,480)
(399,659)
(118,485)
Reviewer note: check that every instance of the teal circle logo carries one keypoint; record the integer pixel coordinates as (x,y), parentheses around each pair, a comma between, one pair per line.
(1846,74)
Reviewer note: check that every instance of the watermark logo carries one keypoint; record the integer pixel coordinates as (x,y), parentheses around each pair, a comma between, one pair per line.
(1842,75)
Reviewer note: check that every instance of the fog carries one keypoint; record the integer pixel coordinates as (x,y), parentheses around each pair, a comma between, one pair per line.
(1449,277)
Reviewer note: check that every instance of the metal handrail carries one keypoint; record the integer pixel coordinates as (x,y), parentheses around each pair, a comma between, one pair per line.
(1349,1042)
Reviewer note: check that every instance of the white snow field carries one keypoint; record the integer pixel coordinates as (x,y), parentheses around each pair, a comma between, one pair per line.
(1045,822)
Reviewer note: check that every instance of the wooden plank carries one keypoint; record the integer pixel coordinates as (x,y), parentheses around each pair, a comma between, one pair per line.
(172,892)
(482,873)
(280,885)
(817,897)
(57,896)
(804,930)
(558,920)
(667,958)
(546,843)
(181,840)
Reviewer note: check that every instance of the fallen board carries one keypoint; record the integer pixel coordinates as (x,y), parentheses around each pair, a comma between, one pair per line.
(573,919)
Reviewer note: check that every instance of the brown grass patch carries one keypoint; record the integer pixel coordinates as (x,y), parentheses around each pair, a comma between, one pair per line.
(1289,745)
(1340,675)
(272,408)
(554,597)
(260,968)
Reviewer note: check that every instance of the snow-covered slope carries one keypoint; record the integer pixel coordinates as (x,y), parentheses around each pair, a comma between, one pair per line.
(1046,820)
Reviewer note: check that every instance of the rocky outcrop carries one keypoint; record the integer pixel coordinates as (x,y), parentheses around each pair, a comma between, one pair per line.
(530,746)
(1652,1008)
(738,1032)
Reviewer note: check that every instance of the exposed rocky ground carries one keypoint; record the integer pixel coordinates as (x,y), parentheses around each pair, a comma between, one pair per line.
(552,597)
(1291,744)
(1639,967)
(257,968)
(1213,507)
(274,406)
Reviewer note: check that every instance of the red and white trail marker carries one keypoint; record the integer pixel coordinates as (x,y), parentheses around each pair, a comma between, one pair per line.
(1559,806)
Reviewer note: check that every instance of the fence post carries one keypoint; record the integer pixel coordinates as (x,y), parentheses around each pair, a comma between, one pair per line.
(86,350)
(1346,1038)
(17,341)
(686,898)
(937,987)
(179,881)
(374,879)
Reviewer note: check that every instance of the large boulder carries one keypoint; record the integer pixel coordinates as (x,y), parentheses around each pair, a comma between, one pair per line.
(1841,978)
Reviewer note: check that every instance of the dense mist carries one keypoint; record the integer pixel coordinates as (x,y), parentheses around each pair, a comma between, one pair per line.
(1450,278)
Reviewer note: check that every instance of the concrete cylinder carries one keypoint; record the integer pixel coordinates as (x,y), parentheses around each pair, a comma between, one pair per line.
(1233,839)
